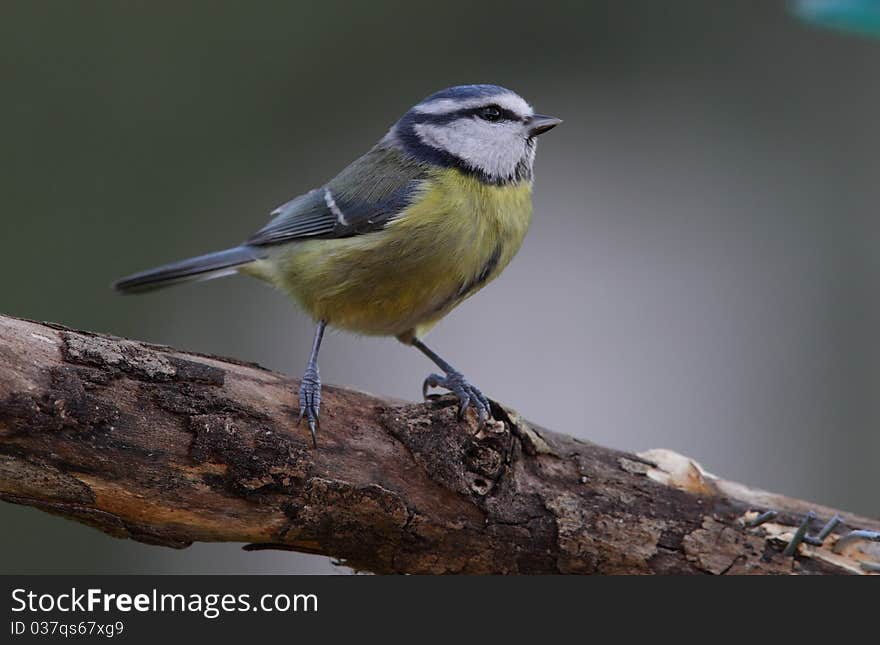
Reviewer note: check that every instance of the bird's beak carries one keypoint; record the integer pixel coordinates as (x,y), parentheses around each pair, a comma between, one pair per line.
(540,123)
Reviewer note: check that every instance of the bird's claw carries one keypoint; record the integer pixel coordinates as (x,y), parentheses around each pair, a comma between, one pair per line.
(310,400)
(467,394)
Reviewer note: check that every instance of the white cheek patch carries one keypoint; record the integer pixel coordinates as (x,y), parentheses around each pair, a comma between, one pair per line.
(508,101)
(494,148)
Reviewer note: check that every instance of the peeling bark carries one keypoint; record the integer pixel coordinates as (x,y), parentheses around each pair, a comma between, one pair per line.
(168,447)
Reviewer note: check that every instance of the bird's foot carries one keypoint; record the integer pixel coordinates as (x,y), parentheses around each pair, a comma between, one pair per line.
(310,399)
(467,394)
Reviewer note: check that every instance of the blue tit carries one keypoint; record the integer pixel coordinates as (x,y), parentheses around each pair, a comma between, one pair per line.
(425,219)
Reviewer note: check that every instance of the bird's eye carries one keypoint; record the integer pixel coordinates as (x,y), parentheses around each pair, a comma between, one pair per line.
(490,113)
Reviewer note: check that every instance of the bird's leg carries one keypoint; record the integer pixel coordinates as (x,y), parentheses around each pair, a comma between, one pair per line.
(455,382)
(310,386)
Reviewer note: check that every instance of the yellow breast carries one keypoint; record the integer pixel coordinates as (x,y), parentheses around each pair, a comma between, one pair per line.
(458,235)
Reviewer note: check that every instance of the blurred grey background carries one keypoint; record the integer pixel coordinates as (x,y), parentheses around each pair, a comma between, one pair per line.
(702,273)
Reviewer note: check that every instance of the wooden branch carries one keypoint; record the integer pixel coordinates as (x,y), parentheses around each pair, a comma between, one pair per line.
(168,447)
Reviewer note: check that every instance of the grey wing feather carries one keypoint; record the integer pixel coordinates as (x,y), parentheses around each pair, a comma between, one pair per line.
(303,216)
(364,197)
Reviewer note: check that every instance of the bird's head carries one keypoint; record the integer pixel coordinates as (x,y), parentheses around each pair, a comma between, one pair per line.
(484,130)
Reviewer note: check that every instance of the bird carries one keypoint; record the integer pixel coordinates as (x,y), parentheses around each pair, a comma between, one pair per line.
(426,218)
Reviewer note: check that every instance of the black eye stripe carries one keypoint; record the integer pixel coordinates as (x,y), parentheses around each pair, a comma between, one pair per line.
(504,114)
(449,117)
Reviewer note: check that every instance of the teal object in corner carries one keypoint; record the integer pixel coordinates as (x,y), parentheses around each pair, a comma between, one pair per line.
(856,16)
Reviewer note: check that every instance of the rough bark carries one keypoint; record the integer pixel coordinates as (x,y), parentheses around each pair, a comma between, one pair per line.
(168,447)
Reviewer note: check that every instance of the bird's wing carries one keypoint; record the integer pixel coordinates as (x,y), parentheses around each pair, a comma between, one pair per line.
(362,198)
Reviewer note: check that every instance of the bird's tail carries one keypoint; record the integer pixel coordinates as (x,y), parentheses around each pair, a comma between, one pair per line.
(203,267)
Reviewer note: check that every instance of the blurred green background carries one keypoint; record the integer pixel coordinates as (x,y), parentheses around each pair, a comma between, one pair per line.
(702,273)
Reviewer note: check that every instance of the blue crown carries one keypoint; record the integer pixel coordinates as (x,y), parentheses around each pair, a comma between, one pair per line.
(464,92)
